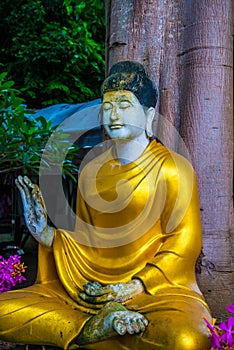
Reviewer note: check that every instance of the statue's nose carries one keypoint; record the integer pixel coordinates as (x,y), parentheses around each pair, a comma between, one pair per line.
(114,114)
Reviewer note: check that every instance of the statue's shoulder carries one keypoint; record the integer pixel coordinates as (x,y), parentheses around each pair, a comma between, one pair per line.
(173,163)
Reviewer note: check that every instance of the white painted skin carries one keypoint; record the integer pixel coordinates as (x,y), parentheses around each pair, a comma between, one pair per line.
(113,319)
(35,214)
(127,123)
(95,293)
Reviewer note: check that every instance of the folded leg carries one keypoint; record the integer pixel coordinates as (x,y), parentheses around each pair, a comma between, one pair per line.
(40,315)
(175,323)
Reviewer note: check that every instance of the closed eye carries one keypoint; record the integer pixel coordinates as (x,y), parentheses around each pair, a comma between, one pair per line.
(107,106)
(124,104)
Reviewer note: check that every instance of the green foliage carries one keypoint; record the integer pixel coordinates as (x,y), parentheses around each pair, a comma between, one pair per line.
(23,138)
(53,50)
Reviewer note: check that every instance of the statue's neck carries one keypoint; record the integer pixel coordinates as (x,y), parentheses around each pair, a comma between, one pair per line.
(127,151)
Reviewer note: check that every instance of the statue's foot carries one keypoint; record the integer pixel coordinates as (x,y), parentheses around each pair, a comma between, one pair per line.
(129,322)
(111,320)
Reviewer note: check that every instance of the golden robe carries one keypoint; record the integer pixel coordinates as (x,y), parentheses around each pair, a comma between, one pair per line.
(138,220)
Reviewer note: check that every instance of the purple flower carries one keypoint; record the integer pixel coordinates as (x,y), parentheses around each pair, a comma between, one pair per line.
(228,329)
(214,341)
(230,308)
(209,325)
(222,336)
(11,272)
(214,337)
(19,279)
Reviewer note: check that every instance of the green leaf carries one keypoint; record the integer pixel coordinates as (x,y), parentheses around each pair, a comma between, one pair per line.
(7,85)
(53,42)
(16,101)
(3,75)
(24,137)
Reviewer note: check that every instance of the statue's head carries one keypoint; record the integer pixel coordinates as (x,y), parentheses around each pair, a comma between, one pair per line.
(129,98)
(131,76)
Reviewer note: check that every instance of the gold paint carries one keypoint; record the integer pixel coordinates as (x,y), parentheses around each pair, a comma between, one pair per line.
(162,257)
(120,95)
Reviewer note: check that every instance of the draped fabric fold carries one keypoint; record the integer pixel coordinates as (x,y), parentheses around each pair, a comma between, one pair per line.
(138,220)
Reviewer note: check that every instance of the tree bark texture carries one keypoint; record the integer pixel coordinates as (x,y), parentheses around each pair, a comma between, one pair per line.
(186,46)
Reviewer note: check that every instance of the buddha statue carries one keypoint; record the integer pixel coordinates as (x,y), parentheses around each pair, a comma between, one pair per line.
(125,278)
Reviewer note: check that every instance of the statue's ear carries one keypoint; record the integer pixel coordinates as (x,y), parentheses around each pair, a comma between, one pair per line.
(149,121)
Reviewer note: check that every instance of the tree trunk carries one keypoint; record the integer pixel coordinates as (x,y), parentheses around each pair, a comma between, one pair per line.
(186,46)
(207,129)
(148,32)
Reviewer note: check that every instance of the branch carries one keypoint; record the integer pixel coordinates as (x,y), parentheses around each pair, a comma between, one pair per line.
(10,170)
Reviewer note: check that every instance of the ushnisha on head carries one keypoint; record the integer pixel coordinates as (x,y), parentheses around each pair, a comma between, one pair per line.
(131,76)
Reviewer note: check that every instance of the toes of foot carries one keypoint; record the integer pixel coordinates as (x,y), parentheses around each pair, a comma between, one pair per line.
(132,328)
(134,323)
(145,321)
(142,323)
(120,326)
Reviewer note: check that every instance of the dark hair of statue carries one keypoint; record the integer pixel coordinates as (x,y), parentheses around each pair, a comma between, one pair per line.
(131,76)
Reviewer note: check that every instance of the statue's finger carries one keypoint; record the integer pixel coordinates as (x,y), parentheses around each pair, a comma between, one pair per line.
(35,189)
(89,289)
(19,181)
(24,192)
(28,182)
(96,299)
(35,194)
(105,298)
(94,293)
(96,289)
(97,284)
(25,186)
(18,184)
(38,199)
(92,285)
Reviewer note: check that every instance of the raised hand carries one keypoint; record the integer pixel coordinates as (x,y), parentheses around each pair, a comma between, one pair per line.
(95,293)
(35,211)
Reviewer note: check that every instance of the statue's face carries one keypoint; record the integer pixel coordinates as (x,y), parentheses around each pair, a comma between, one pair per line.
(123,115)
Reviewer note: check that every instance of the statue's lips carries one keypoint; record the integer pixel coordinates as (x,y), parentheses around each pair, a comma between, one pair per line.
(116,126)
